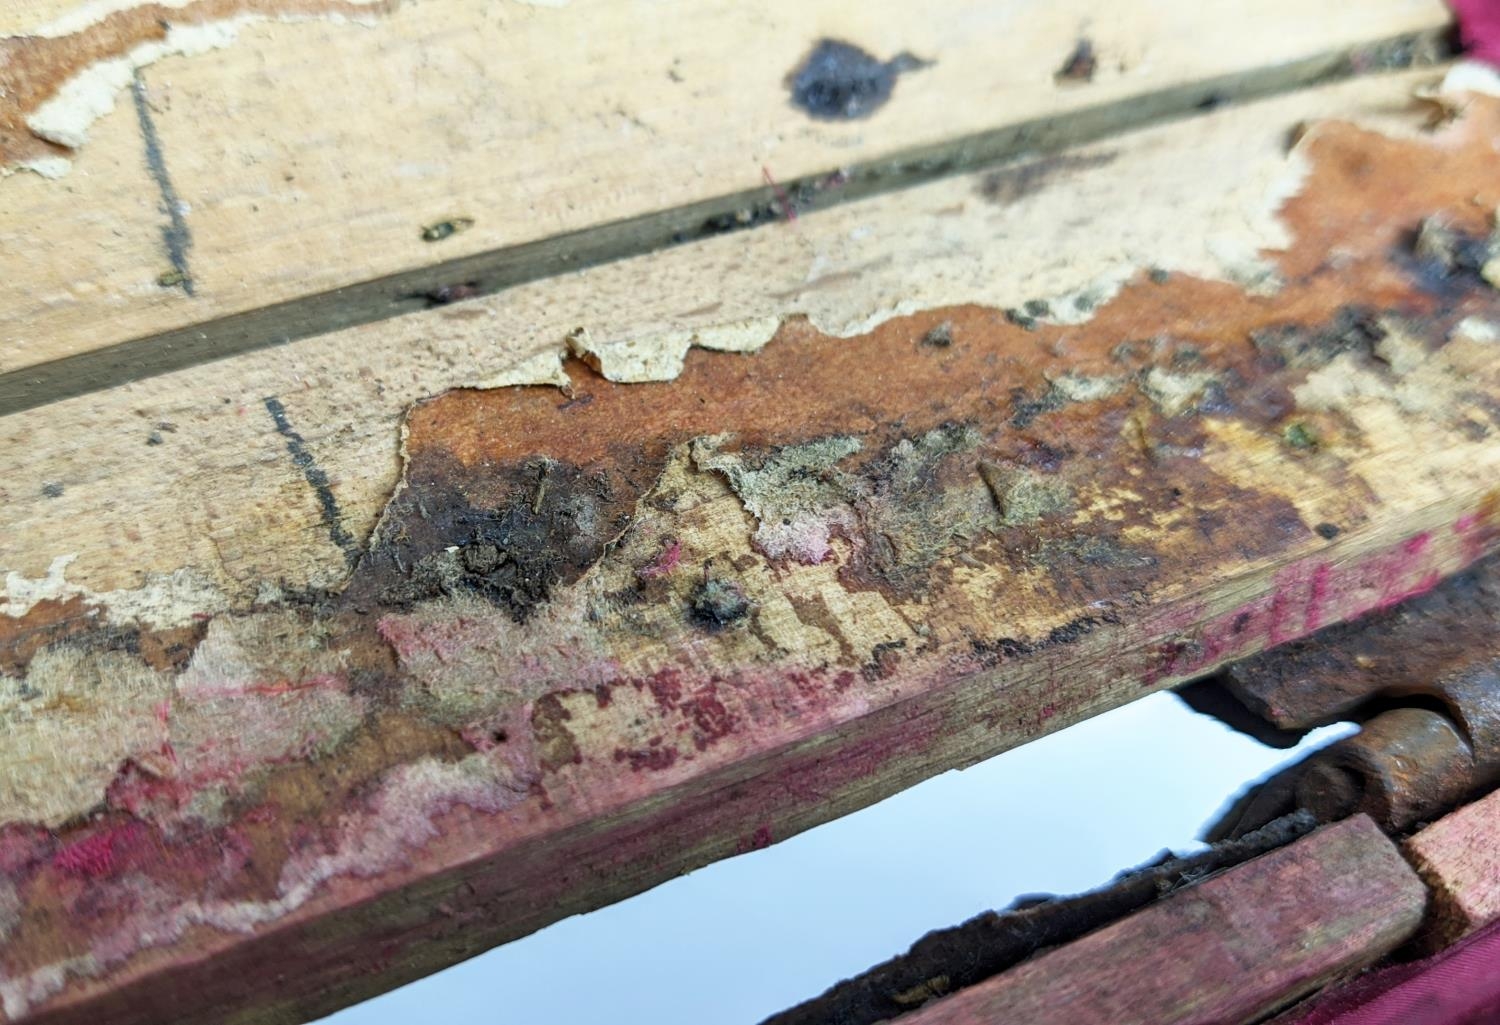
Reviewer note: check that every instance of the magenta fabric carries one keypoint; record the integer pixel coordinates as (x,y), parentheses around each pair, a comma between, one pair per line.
(1457,986)
(1479,27)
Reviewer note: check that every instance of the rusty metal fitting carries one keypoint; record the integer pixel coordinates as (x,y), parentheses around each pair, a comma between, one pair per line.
(1403,767)
(1331,674)
(1471,696)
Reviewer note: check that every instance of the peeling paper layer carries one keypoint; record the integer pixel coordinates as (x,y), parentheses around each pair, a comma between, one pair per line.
(165,601)
(64,117)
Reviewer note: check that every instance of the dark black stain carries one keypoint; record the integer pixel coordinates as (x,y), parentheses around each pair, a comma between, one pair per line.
(883,661)
(1021,319)
(1327,531)
(1353,329)
(786,201)
(445,294)
(315,477)
(1445,261)
(552,523)
(1024,408)
(939,337)
(174,234)
(446,229)
(52,489)
(1080,65)
(839,82)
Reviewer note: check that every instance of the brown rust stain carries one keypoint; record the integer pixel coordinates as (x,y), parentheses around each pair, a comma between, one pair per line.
(34,68)
(76,621)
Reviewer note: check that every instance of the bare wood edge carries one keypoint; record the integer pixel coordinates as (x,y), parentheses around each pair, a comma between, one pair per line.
(1456,856)
(489,272)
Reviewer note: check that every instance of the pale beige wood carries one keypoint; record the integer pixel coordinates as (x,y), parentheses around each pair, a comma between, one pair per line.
(220,499)
(1459,858)
(308,156)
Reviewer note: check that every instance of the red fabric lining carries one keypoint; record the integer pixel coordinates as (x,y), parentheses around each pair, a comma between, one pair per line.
(1479,27)
(1457,986)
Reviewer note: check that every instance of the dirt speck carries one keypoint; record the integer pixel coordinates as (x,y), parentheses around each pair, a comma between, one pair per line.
(718,604)
(1080,65)
(440,230)
(1299,435)
(939,337)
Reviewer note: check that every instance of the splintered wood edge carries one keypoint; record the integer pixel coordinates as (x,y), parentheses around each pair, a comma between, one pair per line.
(1322,907)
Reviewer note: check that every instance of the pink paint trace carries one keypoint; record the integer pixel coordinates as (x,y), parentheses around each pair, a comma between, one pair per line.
(1311,594)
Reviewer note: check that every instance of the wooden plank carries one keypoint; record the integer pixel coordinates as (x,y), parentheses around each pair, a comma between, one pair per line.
(1230,950)
(1459,858)
(262,169)
(220,499)
(277,799)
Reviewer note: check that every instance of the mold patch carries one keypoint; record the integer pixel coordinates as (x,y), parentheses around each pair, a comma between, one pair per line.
(798,494)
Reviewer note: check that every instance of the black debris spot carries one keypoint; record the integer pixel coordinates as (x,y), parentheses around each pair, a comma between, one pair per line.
(838,81)
(939,337)
(1037,308)
(552,525)
(883,661)
(1354,329)
(1299,435)
(1024,408)
(1080,65)
(154,438)
(445,294)
(1159,276)
(1021,319)
(52,489)
(787,201)
(1447,260)
(1327,531)
(440,230)
(717,603)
